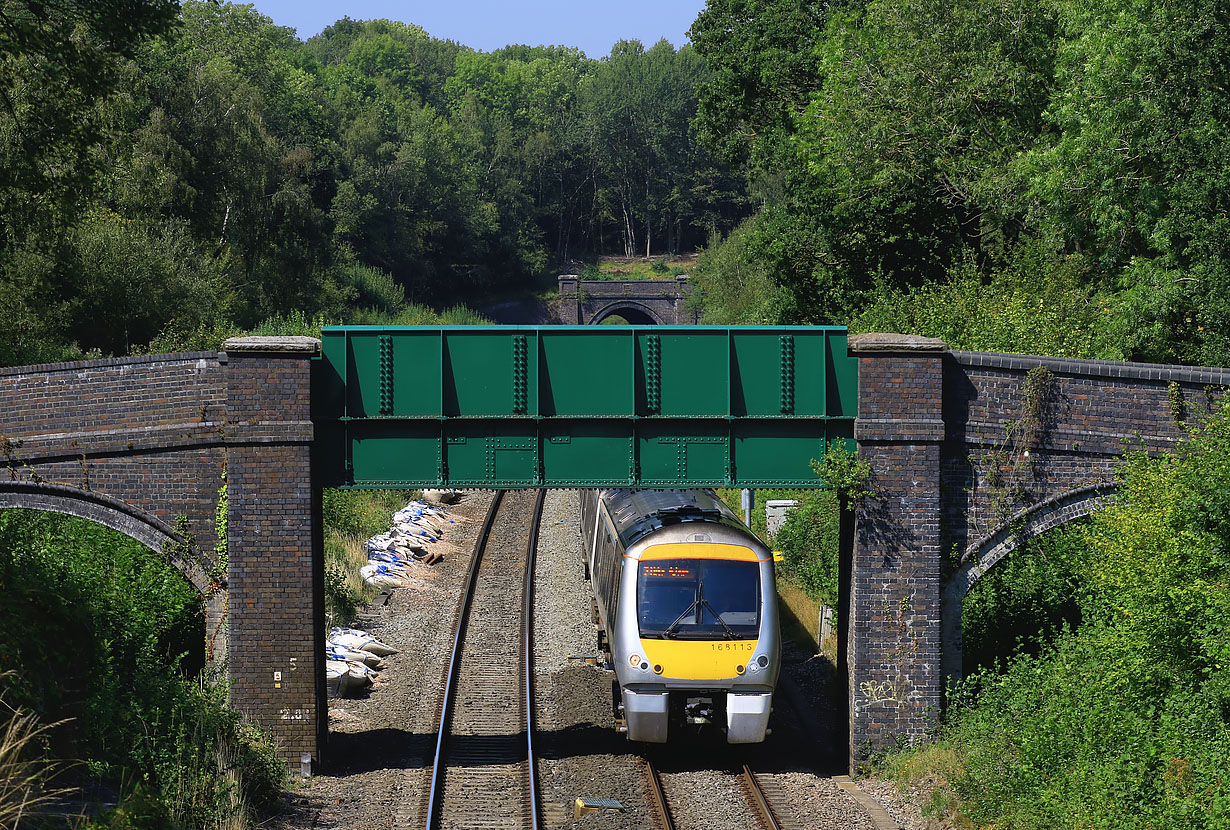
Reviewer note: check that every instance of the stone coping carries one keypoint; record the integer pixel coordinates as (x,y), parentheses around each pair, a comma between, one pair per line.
(304,345)
(1097,368)
(878,341)
(106,362)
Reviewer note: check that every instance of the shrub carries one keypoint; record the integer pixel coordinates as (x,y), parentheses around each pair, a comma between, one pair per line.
(808,541)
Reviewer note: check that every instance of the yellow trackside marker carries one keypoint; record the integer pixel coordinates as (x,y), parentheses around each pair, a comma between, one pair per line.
(585,806)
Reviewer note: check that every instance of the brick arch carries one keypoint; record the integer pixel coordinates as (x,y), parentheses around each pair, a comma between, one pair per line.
(640,309)
(105,510)
(984,554)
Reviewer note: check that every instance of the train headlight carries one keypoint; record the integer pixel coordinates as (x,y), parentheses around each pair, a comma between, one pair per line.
(753,667)
(634,660)
(762,661)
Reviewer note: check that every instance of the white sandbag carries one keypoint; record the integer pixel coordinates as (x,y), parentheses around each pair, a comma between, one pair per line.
(388,558)
(383,576)
(342,678)
(334,669)
(407,523)
(351,656)
(412,531)
(401,546)
(354,682)
(353,638)
(441,496)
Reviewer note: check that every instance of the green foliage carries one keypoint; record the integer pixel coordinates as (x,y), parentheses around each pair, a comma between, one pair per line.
(98,625)
(1123,721)
(1026,177)
(1021,311)
(843,472)
(355,512)
(809,542)
(164,186)
(1024,602)
(221,543)
(732,284)
(350,518)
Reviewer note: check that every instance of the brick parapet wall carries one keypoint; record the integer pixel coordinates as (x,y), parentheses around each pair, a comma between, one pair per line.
(1096,411)
(930,423)
(135,443)
(144,429)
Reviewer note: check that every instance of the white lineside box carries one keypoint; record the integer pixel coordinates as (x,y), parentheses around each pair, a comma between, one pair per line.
(775,511)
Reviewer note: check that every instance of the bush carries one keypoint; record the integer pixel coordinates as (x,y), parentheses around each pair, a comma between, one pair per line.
(733,285)
(1023,310)
(808,541)
(1025,601)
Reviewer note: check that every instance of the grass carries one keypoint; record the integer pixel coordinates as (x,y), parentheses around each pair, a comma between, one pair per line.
(798,621)
(351,517)
(23,773)
(931,770)
(806,612)
(637,268)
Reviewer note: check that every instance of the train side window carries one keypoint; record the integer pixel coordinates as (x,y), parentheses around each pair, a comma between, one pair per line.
(605,554)
(616,572)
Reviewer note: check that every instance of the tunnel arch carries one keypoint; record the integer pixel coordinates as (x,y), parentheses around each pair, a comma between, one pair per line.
(108,511)
(638,314)
(984,554)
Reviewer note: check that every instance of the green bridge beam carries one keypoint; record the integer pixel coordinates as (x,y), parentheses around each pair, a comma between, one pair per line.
(580,406)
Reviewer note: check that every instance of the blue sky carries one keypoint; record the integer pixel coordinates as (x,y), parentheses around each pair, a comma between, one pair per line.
(593,25)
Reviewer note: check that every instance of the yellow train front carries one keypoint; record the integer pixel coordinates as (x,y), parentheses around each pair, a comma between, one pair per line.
(685,605)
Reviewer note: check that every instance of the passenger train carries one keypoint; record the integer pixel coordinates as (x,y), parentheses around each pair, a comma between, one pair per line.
(684,601)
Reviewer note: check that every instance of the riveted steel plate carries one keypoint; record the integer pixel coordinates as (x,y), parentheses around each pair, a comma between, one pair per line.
(580,406)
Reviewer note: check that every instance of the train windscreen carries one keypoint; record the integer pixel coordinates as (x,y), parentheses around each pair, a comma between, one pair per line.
(698,599)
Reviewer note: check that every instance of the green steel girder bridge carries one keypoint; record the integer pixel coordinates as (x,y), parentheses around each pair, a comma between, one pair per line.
(580,406)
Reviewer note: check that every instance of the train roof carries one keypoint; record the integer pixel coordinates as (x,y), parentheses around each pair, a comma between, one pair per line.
(637,513)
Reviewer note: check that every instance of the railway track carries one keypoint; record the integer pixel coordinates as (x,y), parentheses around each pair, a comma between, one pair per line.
(760,794)
(483,774)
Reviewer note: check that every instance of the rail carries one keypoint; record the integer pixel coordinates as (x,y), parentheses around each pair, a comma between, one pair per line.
(477,741)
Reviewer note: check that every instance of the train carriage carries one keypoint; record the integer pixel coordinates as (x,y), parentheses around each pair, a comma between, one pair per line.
(685,604)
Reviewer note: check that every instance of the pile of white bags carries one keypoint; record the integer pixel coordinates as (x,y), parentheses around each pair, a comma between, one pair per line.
(416,528)
(352,658)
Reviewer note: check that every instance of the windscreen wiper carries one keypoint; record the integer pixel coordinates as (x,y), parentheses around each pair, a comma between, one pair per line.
(669,631)
(730,634)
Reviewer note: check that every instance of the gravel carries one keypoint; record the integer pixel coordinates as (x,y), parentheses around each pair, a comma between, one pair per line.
(580,754)
(901,804)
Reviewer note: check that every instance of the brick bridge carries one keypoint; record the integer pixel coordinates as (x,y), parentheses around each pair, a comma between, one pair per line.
(640,302)
(136,443)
